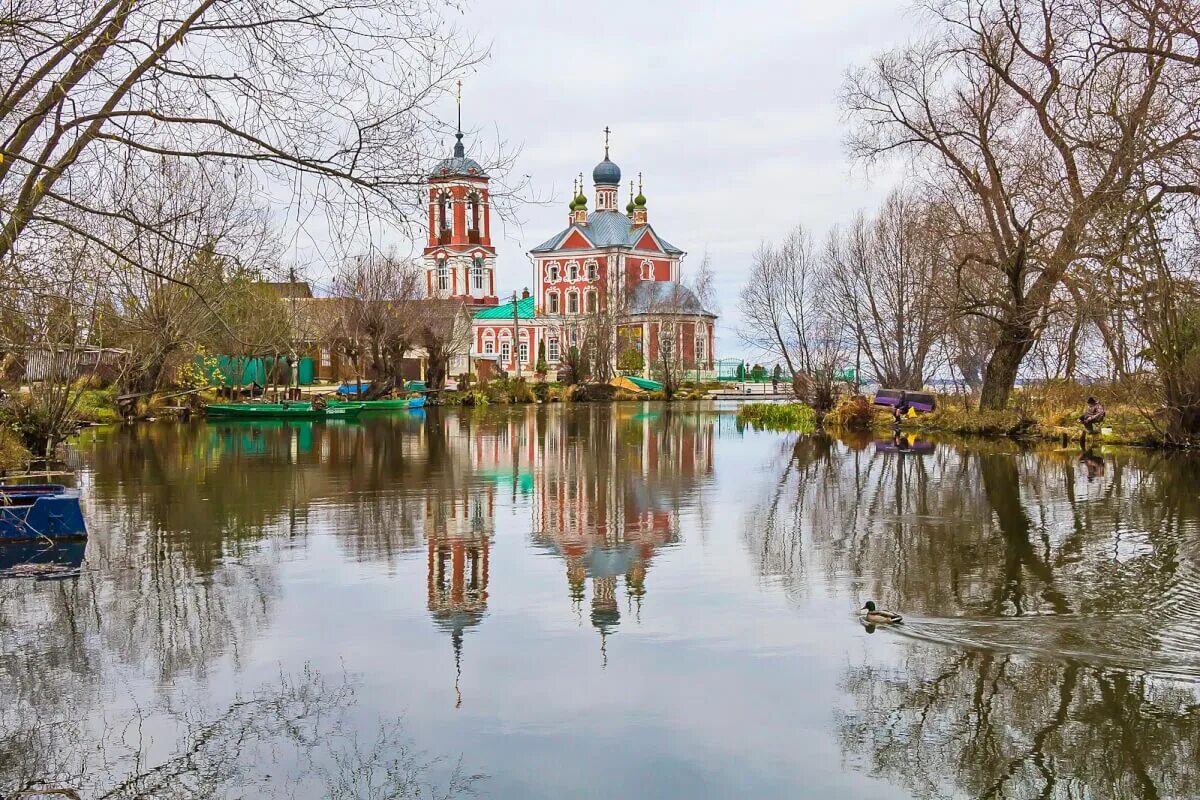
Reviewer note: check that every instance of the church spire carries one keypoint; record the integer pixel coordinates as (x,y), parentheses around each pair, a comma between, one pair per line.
(459,150)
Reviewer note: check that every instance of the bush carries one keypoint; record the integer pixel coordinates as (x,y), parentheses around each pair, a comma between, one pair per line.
(631,361)
(97,406)
(852,413)
(778,417)
(13,454)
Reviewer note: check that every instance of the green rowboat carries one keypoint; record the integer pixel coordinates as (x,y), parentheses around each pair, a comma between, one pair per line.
(400,404)
(282,411)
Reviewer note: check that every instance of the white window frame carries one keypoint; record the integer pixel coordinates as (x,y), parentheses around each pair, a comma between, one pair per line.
(593,270)
(443,275)
(505,350)
(572,302)
(489,344)
(647,270)
(553,353)
(572,270)
(701,347)
(553,306)
(326,357)
(523,351)
(477,273)
(553,272)
(666,343)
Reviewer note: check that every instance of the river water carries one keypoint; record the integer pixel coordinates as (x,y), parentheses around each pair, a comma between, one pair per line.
(596,602)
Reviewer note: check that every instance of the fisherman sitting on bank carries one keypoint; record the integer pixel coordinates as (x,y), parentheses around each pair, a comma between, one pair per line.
(1094,414)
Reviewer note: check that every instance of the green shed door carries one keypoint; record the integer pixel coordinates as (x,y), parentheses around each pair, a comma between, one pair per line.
(307,370)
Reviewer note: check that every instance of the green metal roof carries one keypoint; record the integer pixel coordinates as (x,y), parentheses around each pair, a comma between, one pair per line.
(524,310)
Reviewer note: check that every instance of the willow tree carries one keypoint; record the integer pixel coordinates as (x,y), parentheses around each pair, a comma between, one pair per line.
(1030,118)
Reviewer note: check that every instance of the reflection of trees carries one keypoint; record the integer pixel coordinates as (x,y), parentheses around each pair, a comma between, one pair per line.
(985,531)
(987,724)
(283,738)
(1053,608)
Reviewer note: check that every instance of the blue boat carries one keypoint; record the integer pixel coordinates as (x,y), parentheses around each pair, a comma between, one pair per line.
(40,511)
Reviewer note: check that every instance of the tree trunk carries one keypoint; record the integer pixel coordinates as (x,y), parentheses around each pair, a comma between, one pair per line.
(1000,376)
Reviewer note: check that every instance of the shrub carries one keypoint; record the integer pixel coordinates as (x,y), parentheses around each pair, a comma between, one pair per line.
(13,454)
(631,361)
(852,413)
(778,417)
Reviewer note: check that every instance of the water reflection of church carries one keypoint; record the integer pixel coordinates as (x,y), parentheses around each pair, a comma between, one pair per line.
(605,489)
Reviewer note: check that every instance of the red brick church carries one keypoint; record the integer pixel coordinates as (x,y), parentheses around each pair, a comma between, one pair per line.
(606,264)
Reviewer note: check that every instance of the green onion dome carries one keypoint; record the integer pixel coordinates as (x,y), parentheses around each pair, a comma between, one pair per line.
(640,200)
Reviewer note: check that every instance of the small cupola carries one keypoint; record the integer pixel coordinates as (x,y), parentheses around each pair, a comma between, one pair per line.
(639,205)
(607,177)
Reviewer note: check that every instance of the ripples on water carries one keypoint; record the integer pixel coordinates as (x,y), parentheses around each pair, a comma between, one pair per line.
(594,601)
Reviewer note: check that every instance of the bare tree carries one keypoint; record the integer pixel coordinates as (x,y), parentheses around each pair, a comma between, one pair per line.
(676,312)
(1031,122)
(173,271)
(787,314)
(887,277)
(379,314)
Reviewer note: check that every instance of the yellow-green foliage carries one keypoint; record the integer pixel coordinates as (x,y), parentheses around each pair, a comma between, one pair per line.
(13,454)
(97,405)
(201,372)
(778,417)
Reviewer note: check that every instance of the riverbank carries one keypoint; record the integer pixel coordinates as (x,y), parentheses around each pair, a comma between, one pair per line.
(1124,425)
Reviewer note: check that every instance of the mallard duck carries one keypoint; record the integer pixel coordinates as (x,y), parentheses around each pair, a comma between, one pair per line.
(878,617)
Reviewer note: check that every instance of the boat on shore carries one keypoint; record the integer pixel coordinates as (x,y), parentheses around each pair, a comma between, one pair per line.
(282,411)
(393,404)
(40,511)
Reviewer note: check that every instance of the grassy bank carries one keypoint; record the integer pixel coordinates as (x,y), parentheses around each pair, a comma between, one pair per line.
(1128,424)
(778,416)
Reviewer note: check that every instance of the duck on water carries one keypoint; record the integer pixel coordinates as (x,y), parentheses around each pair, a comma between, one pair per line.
(875,616)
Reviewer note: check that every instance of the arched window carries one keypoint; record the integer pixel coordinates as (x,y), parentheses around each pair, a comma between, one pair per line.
(447,212)
(593,270)
(647,270)
(489,344)
(589,301)
(572,302)
(505,351)
(443,275)
(473,213)
(701,346)
(477,273)
(573,270)
(552,303)
(553,272)
(552,352)
(523,350)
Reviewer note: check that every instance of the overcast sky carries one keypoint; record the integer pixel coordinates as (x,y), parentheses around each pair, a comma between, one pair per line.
(729,109)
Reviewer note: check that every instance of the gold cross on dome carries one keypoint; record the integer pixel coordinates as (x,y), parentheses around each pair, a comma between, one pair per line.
(606,133)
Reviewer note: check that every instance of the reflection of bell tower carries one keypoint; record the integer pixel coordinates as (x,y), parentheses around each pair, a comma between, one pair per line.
(605,614)
(458,593)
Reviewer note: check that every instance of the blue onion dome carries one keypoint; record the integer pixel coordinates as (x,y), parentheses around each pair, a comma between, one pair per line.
(640,200)
(606,173)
